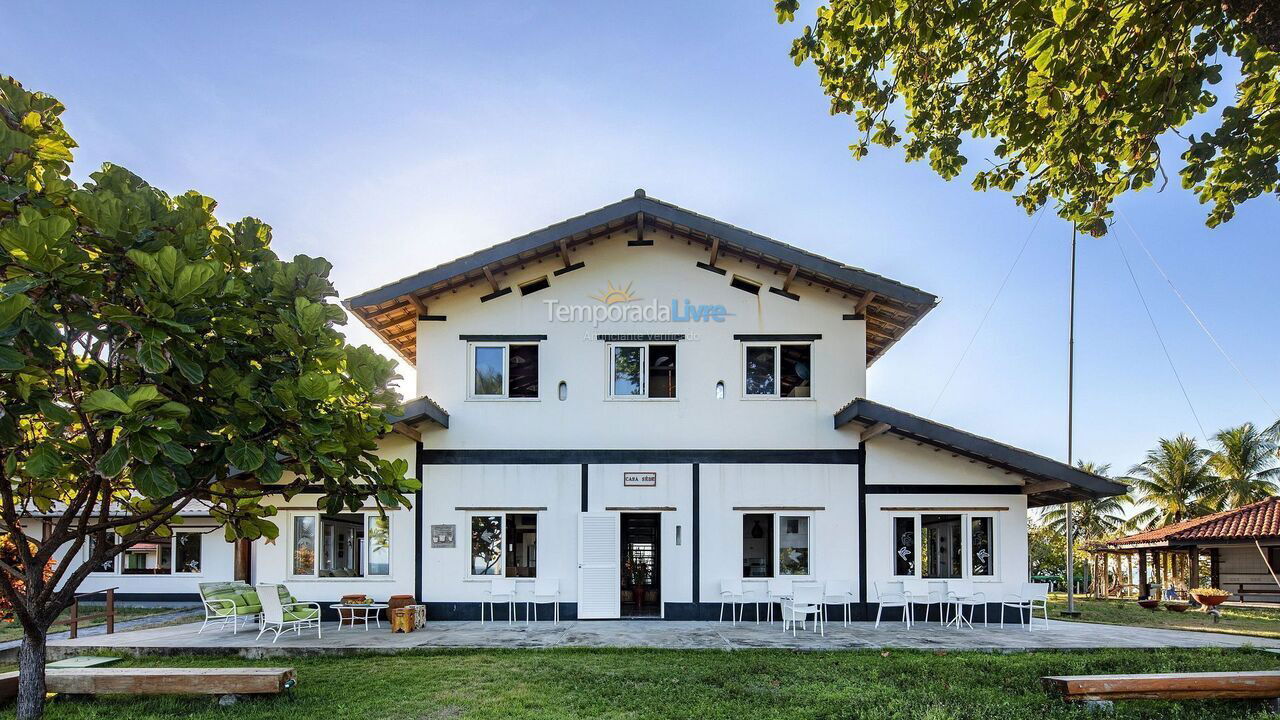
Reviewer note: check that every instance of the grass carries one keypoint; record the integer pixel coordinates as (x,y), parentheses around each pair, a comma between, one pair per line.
(643,684)
(13,631)
(1262,622)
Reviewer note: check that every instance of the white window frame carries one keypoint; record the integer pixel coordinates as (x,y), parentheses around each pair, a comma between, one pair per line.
(777,516)
(320,548)
(506,371)
(502,544)
(777,370)
(118,560)
(966,541)
(644,371)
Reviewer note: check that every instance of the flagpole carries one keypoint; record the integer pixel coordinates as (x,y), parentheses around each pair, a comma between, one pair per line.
(1071,377)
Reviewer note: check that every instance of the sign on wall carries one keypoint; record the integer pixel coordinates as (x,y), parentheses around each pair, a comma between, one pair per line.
(443,536)
(639,479)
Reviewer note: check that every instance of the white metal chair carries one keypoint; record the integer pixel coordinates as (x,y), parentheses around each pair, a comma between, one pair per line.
(838,592)
(547,590)
(961,594)
(1029,597)
(283,617)
(928,594)
(779,591)
(501,590)
(806,600)
(730,592)
(892,595)
(755,593)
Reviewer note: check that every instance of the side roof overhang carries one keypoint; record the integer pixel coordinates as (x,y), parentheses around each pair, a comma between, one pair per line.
(890,308)
(419,409)
(1049,482)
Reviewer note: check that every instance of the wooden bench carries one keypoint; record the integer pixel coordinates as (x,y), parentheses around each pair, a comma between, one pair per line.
(1100,689)
(1257,590)
(159,681)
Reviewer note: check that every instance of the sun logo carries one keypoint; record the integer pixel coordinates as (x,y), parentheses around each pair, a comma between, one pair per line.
(615,295)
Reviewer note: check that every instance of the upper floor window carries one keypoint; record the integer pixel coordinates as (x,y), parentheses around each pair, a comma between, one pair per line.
(779,370)
(642,370)
(504,370)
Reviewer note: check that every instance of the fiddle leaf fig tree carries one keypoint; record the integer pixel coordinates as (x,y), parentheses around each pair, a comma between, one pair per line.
(1076,95)
(154,361)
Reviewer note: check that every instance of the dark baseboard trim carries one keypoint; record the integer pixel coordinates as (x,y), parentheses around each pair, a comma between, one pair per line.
(471,611)
(595,457)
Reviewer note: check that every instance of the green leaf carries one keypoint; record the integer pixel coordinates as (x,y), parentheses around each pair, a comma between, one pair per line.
(177,453)
(155,480)
(313,386)
(244,456)
(190,279)
(44,461)
(11,307)
(113,460)
(189,368)
(144,394)
(152,358)
(11,359)
(172,409)
(55,412)
(105,401)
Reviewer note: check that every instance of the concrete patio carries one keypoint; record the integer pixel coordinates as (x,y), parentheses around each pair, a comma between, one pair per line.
(182,639)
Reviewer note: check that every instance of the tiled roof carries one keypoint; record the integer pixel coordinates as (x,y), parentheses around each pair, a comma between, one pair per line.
(1259,520)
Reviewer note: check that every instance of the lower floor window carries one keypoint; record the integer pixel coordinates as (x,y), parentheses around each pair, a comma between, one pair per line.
(945,546)
(775,545)
(505,544)
(155,555)
(342,545)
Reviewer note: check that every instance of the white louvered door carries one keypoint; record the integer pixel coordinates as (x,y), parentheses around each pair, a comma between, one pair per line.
(599,574)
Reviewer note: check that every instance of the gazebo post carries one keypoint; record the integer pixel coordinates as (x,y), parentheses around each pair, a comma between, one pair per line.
(1143,593)
(1193,573)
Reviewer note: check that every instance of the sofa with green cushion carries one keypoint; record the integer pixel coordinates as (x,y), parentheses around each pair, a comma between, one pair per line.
(233,603)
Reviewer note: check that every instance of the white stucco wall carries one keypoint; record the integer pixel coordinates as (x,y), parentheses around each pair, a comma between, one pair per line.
(709,354)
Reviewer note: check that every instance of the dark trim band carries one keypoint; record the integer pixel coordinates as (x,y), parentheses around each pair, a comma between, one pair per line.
(495,294)
(944,489)
(502,338)
(784,293)
(671,457)
(778,337)
(571,268)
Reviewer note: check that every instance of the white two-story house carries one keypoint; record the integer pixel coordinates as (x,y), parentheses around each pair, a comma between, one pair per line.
(642,402)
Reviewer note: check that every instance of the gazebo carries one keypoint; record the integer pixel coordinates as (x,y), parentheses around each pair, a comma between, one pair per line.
(1242,547)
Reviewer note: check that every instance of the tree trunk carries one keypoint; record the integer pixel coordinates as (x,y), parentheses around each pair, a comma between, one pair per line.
(31,676)
(1260,18)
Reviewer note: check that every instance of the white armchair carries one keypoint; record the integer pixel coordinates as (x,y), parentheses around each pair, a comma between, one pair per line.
(928,594)
(961,594)
(282,617)
(547,590)
(501,590)
(755,593)
(1029,597)
(779,591)
(892,595)
(806,600)
(730,592)
(838,592)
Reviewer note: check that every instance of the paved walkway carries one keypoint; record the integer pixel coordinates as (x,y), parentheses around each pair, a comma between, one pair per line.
(179,614)
(1058,635)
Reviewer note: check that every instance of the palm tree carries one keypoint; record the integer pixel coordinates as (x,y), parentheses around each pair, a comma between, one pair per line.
(1245,465)
(1172,482)
(1092,520)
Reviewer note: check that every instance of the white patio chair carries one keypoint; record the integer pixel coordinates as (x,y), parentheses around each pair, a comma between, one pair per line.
(838,592)
(547,590)
(892,595)
(806,600)
(755,593)
(961,594)
(779,591)
(283,617)
(928,594)
(730,592)
(501,590)
(1029,597)
(524,596)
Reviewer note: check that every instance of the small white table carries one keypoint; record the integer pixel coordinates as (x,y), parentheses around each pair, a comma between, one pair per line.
(359,613)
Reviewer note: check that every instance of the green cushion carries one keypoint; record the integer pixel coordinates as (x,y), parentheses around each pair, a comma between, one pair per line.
(249,597)
(300,614)
(248,609)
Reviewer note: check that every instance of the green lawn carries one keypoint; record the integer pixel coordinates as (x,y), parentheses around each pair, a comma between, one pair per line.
(13,631)
(742,685)
(1263,622)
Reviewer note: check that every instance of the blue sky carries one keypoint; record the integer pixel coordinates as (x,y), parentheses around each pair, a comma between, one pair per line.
(400,136)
